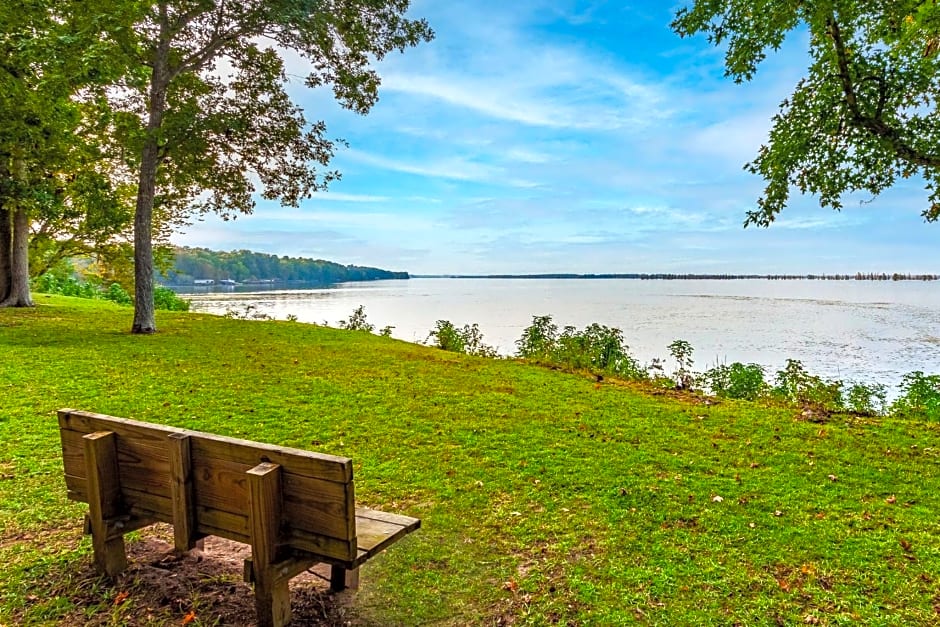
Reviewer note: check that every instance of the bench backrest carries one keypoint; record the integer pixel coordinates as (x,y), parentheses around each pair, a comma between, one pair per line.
(318,501)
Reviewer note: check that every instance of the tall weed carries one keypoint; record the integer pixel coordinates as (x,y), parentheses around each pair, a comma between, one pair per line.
(357,321)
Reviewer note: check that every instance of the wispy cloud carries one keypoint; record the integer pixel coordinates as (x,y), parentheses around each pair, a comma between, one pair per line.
(454,168)
(329,196)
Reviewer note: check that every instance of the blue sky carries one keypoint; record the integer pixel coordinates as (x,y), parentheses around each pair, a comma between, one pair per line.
(568,136)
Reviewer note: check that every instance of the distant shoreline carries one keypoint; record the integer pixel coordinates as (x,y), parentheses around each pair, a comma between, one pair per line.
(686,277)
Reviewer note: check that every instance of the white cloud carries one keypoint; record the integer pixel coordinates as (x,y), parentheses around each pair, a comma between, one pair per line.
(448,168)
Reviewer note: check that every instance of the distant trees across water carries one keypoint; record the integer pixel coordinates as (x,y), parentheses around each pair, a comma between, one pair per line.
(858,276)
(244,266)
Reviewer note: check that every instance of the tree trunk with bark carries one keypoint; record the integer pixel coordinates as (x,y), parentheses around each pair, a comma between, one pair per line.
(6,252)
(18,295)
(144,317)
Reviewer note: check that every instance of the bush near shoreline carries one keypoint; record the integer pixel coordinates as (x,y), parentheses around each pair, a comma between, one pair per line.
(546,497)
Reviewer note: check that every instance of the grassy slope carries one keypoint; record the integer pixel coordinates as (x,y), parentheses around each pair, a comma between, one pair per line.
(544,497)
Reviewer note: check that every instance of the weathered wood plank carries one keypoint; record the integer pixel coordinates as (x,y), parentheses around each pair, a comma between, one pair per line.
(328,467)
(317,510)
(395,519)
(141,432)
(311,504)
(286,569)
(121,525)
(220,484)
(142,465)
(319,506)
(375,535)
(329,548)
(104,492)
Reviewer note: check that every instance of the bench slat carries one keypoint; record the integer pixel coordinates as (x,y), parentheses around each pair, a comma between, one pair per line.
(327,467)
(142,465)
(331,467)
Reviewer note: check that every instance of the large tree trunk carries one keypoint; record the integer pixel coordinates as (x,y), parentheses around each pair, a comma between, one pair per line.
(144,318)
(6,253)
(18,295)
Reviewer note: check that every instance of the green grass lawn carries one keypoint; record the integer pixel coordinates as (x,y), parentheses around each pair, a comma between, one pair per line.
(545,497)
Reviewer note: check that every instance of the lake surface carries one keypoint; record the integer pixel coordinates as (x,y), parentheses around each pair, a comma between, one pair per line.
(869,331)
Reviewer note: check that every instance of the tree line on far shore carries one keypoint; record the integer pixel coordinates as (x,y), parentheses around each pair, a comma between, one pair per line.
(192,264)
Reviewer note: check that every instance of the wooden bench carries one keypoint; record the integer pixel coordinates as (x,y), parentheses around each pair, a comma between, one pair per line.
(295,508)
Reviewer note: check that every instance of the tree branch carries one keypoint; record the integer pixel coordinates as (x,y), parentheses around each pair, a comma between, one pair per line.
(875,125)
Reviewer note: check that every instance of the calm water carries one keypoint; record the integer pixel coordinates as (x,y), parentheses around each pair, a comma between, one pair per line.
(864,331)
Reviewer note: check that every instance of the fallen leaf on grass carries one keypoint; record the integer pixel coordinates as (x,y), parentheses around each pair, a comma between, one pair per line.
(905,545)
(189,617)
(121,597)
(891,500)
(511,585)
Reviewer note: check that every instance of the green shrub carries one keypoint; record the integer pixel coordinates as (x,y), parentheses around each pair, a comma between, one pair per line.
(794,384)
(866,400)
(163,298)
(468,340)
(597,347)
(446,337)
(737,380)
(51,284)
(539,339)
(920,396)
(166,299)
(117,294)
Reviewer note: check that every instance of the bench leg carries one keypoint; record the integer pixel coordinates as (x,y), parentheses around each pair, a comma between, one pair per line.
(272,601)
(340,578)
(104,493)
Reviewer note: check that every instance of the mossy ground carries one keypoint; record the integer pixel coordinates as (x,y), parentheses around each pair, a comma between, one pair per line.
(546,497)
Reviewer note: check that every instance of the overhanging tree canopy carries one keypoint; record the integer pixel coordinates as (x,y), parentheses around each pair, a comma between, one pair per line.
(865,115)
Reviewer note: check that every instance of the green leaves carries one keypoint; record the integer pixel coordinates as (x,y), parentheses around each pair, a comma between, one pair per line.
(864,115)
